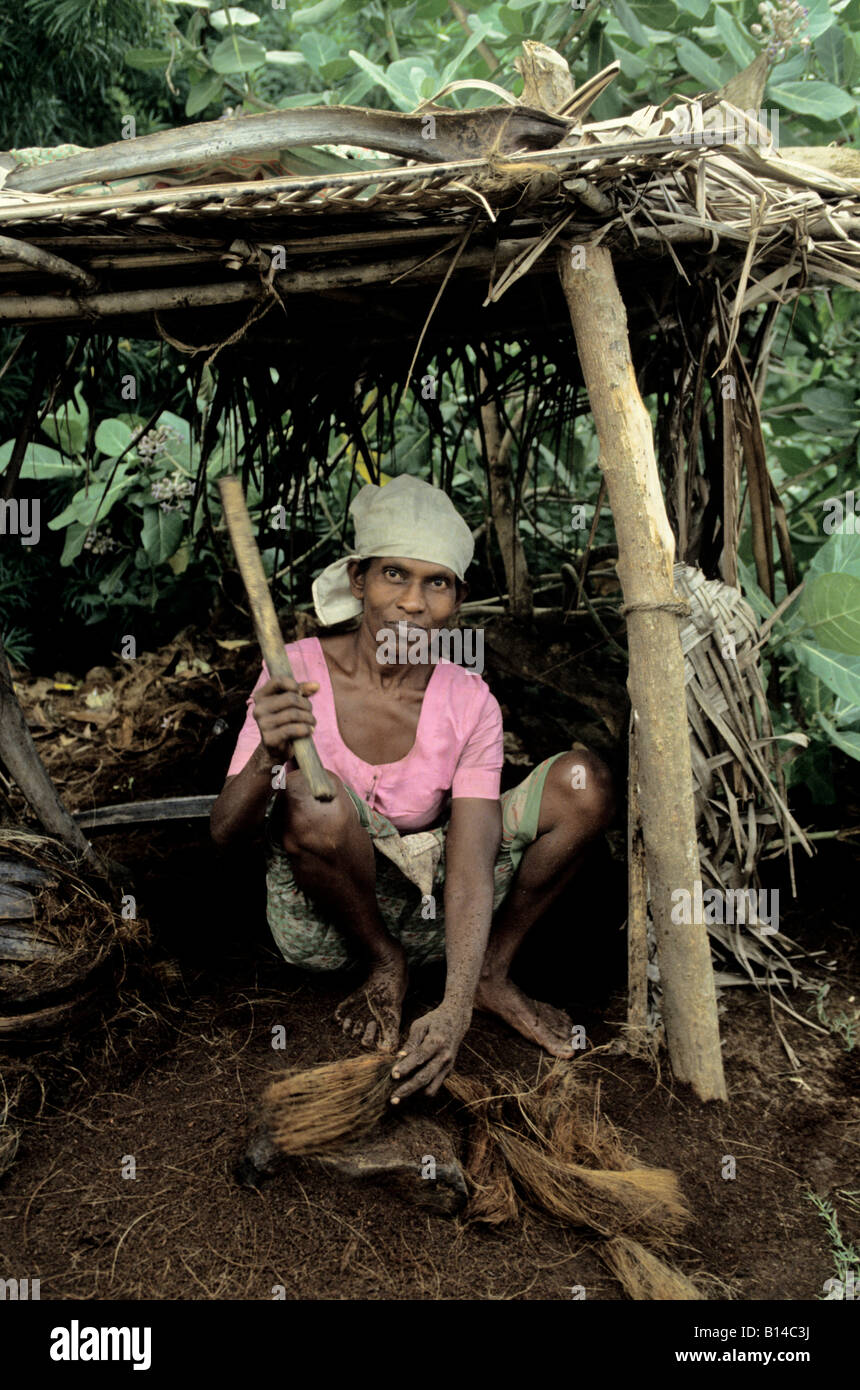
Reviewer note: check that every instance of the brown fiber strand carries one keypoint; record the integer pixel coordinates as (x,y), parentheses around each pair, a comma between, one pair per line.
(644,1276)
(644,1201)
(310,1112)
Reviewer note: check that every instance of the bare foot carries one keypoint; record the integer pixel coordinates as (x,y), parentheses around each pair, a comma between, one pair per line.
(550,1028)
(372,1013)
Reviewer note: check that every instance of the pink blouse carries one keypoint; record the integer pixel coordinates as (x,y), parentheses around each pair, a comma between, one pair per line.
(458,748)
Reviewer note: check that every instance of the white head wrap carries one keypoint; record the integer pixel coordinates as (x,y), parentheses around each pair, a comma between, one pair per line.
(406,517)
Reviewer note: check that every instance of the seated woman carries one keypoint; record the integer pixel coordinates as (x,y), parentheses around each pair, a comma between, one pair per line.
(414,748)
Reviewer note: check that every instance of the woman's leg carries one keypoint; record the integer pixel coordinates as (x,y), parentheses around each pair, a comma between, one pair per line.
(333,862)
(576,806)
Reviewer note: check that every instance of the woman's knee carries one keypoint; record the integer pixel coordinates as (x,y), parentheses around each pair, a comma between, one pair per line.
(315,827)
(579,786)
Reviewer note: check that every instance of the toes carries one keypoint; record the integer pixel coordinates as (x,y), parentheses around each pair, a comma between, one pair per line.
(345,1023)
(369,1034)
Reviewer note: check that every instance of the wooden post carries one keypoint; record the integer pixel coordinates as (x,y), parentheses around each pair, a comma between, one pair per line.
(503,503)
(646,550)
(637,909)
(23,763)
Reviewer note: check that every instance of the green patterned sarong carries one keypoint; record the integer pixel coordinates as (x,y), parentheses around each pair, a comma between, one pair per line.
(410,877)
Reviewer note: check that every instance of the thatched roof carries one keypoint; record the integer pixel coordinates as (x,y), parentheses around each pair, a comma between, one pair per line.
(356,278)
(764,225)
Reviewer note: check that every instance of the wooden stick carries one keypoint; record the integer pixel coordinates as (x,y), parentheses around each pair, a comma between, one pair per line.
(637,911)
(24,765)
(46,261)
(266,622)
(646,550)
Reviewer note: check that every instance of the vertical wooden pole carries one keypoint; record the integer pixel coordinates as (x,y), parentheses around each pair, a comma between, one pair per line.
(21,757)
(646,550)
(637,909)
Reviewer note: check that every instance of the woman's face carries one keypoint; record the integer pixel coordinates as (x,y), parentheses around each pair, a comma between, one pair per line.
(413,592)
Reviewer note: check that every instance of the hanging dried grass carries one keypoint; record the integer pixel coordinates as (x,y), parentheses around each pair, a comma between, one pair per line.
(313,1111)
(645,1276)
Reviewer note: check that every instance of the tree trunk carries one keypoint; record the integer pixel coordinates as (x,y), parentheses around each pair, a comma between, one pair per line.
(23,763)
(646,551)
(502,506)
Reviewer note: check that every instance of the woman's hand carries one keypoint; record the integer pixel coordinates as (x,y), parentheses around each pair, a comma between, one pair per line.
(431,1050)
(283,713)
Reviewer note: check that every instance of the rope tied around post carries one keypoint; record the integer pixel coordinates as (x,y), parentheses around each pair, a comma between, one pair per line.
(678,606)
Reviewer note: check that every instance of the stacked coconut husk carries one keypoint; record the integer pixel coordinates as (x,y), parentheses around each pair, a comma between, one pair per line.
(62,944)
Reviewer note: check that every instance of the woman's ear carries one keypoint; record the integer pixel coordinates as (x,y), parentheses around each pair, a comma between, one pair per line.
(356,578)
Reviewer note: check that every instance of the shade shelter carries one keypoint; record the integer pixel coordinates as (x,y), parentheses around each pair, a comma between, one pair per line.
(650,235)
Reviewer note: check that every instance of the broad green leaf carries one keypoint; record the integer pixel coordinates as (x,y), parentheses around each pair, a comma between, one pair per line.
(840,554)
(404,99)
(699,8)
(145,59)
(736,42)
(697,63)
(161,533)
(41,463)
(92,505)
(285,57)
(830,51)
(318,49)
(203,93)
(75,537)
(821,16)
(237,54)
(176,422)
(335,70)
(813,98)
(410,73)
(839,672)
(631,66)
(235,15)
(113,436)
(836,407)
(315,14)
(449,72)
(848,742)
(830,605)
(70,434)
(512,20)
(792,458)
(629,23)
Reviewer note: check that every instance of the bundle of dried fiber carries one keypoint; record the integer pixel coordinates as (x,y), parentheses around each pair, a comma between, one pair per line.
(644,1275)
(310,1112)
(636,1201)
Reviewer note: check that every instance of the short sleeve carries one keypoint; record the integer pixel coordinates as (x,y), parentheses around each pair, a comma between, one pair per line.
(479,769)
(249,736)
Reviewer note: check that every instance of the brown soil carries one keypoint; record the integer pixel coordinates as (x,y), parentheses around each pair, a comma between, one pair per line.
(173,1081)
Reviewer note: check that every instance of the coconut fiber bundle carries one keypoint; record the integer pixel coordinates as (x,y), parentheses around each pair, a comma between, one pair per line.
(61,942)
(546,1145)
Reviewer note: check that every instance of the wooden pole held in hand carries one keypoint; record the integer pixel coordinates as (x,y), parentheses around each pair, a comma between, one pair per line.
(266,622)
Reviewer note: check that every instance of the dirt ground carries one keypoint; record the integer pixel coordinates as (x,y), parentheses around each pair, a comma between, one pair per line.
(172,1081)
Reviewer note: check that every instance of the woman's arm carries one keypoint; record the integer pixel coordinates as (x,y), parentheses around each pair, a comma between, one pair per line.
(471,846)
(283,712)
